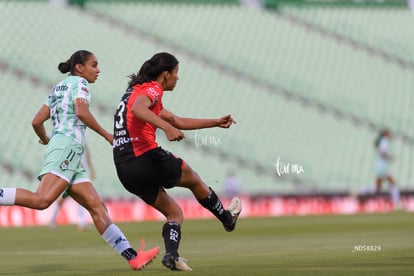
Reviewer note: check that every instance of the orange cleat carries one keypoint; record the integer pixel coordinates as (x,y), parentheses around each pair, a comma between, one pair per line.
(144,257)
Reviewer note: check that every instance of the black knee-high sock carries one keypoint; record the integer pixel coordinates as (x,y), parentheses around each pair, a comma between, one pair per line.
(171,232)
(214,205)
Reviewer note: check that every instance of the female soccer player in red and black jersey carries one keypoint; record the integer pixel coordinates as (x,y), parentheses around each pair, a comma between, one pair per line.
(145,169)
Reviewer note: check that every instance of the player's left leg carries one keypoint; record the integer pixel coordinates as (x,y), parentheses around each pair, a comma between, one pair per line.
(209,199)
(85,194)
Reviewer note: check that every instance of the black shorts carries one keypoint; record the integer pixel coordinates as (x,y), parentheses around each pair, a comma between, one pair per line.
(145,174)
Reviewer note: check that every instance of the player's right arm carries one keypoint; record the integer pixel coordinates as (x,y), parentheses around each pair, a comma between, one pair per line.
(195,123)
(38,124)
(140,109)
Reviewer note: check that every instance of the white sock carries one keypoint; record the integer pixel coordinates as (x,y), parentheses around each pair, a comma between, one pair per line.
(116,239)
(82,216)
(395,195)
(7,196)
(54,215)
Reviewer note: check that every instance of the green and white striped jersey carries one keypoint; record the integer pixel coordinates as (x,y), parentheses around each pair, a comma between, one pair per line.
(61,102)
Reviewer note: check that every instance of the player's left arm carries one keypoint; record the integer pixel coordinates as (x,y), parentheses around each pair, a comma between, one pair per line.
(194,123)
(38,124)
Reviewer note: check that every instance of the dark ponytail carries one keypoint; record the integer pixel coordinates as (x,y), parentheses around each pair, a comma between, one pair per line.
(64,67)
(79,57)
(152,68)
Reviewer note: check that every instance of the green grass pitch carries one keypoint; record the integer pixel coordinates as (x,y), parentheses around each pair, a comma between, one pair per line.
(373,244)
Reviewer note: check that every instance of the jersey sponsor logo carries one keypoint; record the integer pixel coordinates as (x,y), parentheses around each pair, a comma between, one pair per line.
(84,89)
(60,88)
(120,132)
(152,92)
(123,140)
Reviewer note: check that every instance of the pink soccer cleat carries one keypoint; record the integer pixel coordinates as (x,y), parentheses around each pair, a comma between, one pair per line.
(144,257)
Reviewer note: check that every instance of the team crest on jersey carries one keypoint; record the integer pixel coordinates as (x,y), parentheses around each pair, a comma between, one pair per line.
(64,165)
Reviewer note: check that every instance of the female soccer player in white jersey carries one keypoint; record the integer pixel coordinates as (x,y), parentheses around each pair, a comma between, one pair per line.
(383,162)
(68,108)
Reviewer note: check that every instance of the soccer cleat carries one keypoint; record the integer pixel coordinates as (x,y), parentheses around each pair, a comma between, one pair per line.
(175,263)
(235,209)
(143,258)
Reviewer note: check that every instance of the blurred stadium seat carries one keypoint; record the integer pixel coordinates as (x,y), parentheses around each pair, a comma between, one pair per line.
(306,86)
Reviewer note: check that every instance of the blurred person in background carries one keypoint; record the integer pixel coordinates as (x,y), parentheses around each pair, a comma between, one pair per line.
(68,108)
(147,170)
(257,4)
(410,4)
(232,185)
(383,162)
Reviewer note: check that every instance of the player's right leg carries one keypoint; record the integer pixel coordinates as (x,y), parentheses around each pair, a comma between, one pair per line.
(62,157)
(378,182)
(171,231)
(49,189)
